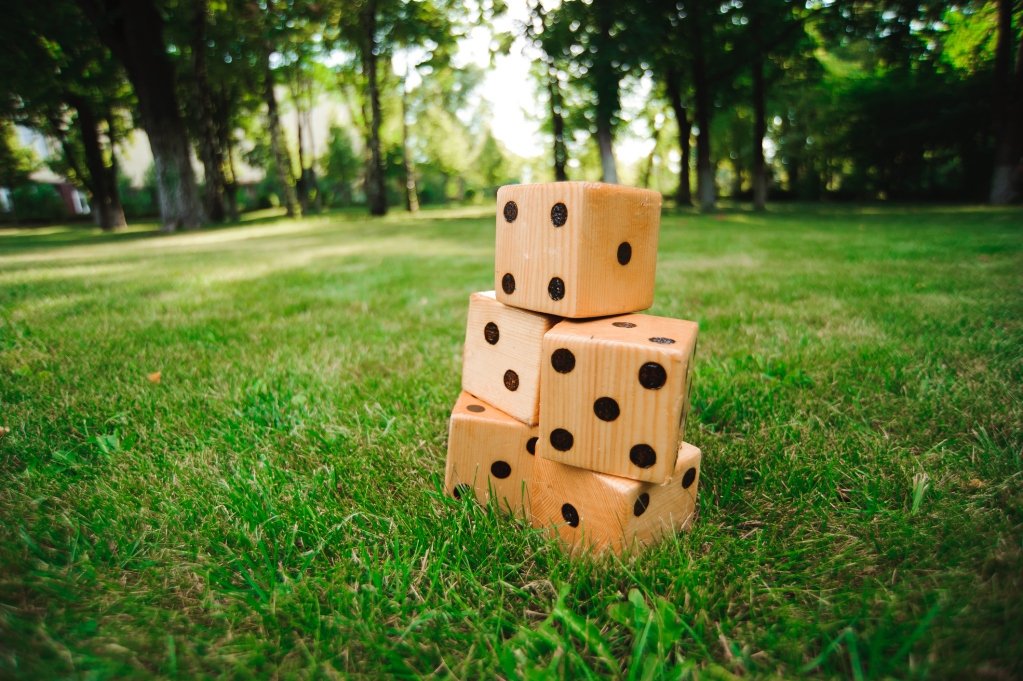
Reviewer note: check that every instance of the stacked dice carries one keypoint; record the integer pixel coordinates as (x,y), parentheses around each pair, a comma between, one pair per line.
(573,407)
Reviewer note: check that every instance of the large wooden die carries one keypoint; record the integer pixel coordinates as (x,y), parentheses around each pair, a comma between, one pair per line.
(600,512)
(576,249)
(501,363)
(489,453)
(615,393)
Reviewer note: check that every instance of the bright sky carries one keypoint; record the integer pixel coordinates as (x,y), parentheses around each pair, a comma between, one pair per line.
(513,93)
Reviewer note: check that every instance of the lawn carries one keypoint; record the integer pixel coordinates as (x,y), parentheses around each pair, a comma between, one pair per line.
(272,506)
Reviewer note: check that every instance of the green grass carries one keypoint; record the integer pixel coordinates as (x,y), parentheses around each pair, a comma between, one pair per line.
(272,507)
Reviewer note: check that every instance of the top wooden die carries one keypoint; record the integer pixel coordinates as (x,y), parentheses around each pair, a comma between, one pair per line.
(576,249)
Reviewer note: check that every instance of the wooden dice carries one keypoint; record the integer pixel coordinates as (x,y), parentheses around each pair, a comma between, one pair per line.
(573,407)
(576,249)
(501,360)
(615,394)
(600,512)
(489,453)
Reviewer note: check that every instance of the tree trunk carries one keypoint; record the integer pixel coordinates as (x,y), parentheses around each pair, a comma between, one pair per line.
(302,184)
(1008,110)
(231,183)
(376,188)
(557,124)
(312,184)
(605,142)
(705,191)
(759,125)
(209,154)
(102,182)
(683,195)
(282,160)
(737,173)
(411,194)
(604,77)
(133,30)
(648,168)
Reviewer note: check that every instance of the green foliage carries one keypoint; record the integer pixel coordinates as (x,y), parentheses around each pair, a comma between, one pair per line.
(341,167)
(57,69)
(969,42)
(492,164)
(914,136)
(139,202)
(37,202)
(16,162)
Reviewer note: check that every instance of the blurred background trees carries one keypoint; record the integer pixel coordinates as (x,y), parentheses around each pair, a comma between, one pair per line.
(312,104)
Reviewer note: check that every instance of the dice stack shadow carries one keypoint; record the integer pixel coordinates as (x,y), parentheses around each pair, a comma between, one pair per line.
(573,406)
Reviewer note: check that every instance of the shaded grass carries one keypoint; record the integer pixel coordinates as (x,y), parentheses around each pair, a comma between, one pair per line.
(272,506)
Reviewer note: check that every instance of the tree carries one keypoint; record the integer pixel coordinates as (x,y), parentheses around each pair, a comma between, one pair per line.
(341,164)
(774,29)
(199,86)
(548,42)
(595,38)
(133,30)
(374,29)
(1008,110)
(16,162)
(220,66)
(693,55)
(62,82)
(670,61)
(359,25)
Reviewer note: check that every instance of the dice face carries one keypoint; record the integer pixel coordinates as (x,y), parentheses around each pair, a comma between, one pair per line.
(615,393)
(576,249)
(592,510)
(501,362)
(489,454)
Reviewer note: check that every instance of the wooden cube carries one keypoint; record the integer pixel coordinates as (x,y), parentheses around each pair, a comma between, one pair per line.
(604,512)
(614,394)
(489,453)
(576,249)
(501,363)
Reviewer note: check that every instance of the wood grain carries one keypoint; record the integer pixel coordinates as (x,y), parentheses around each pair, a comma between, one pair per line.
(606,506)
(485,444)
(583,252)
(613,356)
(501,358)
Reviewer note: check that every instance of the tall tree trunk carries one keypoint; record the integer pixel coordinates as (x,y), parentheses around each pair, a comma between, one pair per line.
(282,160)
(648,167)
(102,178)
(705,191)
(231,182)
(411,194)
(605,142)
(604,77)
(225,152)
(312,184)
(376,188)
(302,184)
(208,151)
(560,150)
(759,121)
(1008,110)
(117,209)
(737,172)
(683,195)
(133,30)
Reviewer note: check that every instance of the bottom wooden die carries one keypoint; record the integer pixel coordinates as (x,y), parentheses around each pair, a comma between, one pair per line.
(489,453)
(593,510)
